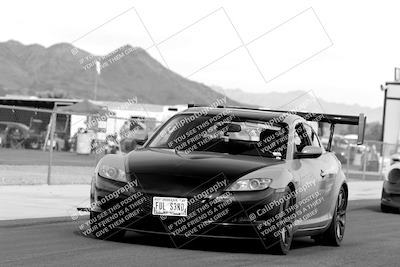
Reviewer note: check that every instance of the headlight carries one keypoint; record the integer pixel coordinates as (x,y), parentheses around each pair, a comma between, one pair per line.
(252,184)
(393,176)
(112,173)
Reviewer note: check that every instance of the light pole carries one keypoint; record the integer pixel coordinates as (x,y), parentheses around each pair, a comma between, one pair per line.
(53,122)
(97,73)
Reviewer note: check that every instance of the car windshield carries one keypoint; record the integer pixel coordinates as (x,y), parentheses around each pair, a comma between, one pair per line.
(223,134)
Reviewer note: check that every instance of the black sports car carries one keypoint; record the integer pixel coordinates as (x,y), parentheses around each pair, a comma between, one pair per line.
(226,172)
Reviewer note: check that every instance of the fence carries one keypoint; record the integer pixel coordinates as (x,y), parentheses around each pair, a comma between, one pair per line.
(368,161)
(32,152)
(26,156)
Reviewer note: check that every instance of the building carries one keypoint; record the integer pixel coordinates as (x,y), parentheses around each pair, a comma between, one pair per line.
(391,110)
(25,109)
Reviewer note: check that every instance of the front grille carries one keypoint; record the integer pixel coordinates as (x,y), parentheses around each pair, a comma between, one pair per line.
(232,212)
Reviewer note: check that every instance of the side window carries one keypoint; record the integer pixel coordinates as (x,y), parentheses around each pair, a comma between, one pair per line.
(301,137)
(313,136)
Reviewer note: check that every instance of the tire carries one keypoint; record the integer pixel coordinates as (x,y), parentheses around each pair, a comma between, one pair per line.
(282,243)
(34,145)
(114,234)
(14,144)
(388,209)
(333,236)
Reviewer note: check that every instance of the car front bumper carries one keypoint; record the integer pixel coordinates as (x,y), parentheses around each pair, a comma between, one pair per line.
(391,194)
(244,217)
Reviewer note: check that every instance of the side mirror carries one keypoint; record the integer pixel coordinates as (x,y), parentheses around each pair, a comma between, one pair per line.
(309,152)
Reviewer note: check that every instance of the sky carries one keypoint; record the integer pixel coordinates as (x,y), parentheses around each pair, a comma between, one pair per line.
(341,50)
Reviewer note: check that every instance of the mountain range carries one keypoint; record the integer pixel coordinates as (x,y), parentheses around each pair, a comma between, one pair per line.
(297,100)
(131,72)
(126,72)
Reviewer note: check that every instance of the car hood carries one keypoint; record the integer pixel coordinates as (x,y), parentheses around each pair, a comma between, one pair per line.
(166,172)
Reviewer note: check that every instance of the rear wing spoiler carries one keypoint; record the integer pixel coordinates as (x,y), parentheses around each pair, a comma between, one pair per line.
(332,119)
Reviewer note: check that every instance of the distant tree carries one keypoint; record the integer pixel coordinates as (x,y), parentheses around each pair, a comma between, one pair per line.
(344,129)
(373,131)
(55,93)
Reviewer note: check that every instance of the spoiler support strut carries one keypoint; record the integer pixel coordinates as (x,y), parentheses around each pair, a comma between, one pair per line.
(332,129)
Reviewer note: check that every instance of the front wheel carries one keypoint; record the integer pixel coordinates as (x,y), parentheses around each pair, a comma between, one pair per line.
(333,236)
(284,236)
(388,209)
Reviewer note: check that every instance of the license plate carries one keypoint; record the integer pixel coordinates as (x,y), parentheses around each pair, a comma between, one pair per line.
(170,206)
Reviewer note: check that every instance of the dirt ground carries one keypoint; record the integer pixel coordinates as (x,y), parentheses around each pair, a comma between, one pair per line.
(39,157)
(30,167)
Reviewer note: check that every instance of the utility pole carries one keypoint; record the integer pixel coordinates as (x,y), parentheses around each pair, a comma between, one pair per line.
(53,121)
(97,73)
(95,86)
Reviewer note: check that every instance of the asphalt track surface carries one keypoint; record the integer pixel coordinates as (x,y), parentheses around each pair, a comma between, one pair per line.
(372,239)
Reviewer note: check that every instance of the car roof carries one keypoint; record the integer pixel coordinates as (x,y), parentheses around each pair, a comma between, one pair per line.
(256,114)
